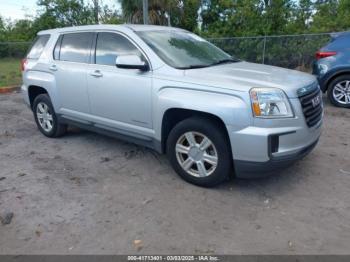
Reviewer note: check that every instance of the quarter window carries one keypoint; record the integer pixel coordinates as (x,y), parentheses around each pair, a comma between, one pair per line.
(75,47)
(110,45)
(38,46)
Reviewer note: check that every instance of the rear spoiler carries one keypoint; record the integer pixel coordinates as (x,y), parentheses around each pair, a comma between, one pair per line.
(339,34)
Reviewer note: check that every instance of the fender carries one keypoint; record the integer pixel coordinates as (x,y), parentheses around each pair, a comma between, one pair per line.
(324,80)
(230,108)
(45,80)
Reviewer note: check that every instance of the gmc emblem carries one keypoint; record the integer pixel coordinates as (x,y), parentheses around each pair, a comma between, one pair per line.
(316,101)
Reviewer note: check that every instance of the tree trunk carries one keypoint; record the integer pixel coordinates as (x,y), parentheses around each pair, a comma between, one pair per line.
(96,11)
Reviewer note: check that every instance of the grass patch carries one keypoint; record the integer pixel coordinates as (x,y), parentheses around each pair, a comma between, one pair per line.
(10,72)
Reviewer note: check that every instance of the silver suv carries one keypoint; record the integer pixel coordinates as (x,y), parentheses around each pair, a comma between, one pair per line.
(170,90)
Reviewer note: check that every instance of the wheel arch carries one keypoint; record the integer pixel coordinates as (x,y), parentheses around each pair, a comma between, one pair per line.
(173,116)
(34,91)
(41,83)
(334,75)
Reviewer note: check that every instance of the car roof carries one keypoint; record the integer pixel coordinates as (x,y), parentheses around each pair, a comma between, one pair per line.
(341,34)
(133,27)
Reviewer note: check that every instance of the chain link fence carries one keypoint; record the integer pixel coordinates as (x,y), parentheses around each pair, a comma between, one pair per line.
(289,51)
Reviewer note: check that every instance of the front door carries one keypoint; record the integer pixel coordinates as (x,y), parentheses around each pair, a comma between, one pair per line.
(119,98)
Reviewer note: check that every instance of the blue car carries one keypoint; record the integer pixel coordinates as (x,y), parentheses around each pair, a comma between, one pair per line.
(332,69)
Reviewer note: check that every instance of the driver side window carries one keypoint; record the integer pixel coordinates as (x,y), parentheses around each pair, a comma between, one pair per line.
(110,45)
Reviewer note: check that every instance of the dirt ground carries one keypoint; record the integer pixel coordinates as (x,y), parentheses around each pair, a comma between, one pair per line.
(89,194)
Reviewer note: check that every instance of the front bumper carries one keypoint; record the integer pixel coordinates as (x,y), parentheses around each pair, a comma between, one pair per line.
(248,169)
(272,144)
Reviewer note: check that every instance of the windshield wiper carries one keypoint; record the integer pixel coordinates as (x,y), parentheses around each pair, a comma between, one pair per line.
(225,61)
(192,66)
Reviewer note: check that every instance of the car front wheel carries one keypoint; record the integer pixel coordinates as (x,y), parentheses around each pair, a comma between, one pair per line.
(199,152)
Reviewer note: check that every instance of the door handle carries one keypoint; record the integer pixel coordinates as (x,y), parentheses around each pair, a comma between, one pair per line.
(53,68)
(97,73)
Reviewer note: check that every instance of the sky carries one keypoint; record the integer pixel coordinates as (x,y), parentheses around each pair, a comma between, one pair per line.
(18,9)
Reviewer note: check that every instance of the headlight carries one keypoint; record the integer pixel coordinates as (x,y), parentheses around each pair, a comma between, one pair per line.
(270,103)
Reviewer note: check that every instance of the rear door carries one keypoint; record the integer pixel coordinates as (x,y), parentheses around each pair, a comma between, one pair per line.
(71,59)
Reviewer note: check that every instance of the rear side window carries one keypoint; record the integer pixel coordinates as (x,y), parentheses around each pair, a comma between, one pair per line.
(110,45)
(38,46)
(75,47)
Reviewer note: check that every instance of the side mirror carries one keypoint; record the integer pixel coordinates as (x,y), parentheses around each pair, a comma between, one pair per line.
(131,62)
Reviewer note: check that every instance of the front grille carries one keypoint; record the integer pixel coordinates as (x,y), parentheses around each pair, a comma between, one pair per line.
(312,112)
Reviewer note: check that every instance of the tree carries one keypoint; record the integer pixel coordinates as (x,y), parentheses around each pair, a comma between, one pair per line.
(276,16)
(157,11)
(247,18)
(186,14)
(215,14)
(53,14)
(227,18)
(59,13)
(181,13)
(2,30)
(343,17)
(20,30)
(3,33)
(302,17)
(109,15)
(331,16)
(324,18)
(96,10)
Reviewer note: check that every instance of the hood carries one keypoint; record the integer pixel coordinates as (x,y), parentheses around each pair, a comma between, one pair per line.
(242,76)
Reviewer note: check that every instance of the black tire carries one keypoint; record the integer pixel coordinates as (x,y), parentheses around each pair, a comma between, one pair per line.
(217,136)
(331,87)
(57,129)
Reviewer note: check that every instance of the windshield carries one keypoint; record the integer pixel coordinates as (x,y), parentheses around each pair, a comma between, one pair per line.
(184,50)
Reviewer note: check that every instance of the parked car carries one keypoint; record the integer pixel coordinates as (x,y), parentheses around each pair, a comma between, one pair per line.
(332,69)
(170,90)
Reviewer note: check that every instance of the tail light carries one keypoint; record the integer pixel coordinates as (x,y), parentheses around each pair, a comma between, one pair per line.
(320,54)
(23,64)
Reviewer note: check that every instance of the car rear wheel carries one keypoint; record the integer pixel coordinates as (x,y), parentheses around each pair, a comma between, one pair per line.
(339,91)
(45,117)
(199,152)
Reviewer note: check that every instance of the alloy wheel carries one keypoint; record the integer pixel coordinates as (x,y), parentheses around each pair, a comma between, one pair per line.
(196,154)
(341,92)
(44,116)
